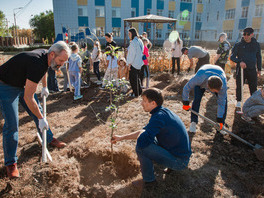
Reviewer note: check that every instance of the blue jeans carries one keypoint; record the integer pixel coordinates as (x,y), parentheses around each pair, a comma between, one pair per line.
(9,98)
(198,94)
(155,153)
(75,78)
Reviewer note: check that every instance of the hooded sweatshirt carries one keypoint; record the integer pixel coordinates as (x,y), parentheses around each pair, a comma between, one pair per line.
(250,53)
(75,62)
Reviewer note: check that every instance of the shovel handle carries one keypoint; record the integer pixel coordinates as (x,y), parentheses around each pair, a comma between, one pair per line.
(229,132)
(44,134)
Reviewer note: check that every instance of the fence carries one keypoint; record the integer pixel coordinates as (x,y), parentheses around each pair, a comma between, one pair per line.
(15,41)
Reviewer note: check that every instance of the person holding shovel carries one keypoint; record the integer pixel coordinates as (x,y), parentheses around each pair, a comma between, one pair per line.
(211,78)
(164,139)
(19,78)
(247,55)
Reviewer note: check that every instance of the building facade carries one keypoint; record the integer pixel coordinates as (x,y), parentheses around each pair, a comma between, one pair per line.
(198,20)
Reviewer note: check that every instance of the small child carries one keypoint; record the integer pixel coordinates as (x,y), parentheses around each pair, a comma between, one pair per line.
(112,69)
(144,73)
(123,72)
(254,105)
(75,70)
(96,54)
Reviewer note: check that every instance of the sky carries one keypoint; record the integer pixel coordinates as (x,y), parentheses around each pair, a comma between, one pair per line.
(23,16)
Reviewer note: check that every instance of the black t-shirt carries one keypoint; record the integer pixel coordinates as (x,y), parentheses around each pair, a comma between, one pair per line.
(113,43)
(27,65)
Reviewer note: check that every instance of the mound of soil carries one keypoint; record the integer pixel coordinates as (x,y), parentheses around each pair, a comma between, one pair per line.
(164,77)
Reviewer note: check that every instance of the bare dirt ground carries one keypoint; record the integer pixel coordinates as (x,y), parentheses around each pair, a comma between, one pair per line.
(220,166)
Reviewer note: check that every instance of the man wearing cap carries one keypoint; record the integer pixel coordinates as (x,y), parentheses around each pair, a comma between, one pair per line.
(222,51)
(247,54)
(19,78)
(197,52)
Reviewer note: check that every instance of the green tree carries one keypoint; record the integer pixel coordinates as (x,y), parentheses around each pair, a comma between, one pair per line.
(2,24)
(43,25)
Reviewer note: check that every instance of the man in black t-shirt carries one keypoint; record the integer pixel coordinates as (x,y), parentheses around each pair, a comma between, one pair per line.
(19,78)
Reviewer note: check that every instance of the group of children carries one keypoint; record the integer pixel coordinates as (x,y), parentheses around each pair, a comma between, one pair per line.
(117,67)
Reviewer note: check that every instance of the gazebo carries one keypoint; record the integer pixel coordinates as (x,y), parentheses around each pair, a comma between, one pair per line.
(147,19)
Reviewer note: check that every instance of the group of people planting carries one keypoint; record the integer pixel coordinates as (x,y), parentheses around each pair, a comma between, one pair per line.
(164,140)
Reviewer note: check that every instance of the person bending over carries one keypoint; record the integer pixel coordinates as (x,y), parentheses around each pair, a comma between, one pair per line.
(19,78)
(212,78)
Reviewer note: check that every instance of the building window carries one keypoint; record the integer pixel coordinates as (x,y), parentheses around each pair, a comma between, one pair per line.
(171,14)
(217,16)
(148,11)
(158,33)
(199,1)
(99,11)
(116,31)
(198,17)
(185,34)
(230,14)
(133,12)
(159,12)
(100,31)
(116,12)
(259,10)
(197,34)
(185,16)
(244,12)
(82,11)
(229,34)
(188,1)
(256,33)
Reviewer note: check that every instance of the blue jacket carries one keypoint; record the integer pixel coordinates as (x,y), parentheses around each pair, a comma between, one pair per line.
(167,130)
(250,53)
(201,79)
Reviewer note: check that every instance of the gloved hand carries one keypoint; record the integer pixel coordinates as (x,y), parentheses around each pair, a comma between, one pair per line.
(186,107)
(221,126)
(220,122)
(43,124)
(44,92)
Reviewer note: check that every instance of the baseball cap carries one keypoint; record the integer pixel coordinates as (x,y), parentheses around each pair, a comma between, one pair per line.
(248,30)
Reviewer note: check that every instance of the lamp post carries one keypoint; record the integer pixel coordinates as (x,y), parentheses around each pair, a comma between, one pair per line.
(15,18)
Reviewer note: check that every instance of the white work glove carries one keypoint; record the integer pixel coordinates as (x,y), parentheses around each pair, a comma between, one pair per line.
(44,92)
(43,124)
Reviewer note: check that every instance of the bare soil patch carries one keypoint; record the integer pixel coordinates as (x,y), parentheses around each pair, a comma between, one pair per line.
(220,166)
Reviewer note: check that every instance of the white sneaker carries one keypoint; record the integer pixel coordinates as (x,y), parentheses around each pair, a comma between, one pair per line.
(238,105)
(193,127)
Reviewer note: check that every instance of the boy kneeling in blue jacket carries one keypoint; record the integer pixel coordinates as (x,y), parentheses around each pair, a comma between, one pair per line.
(164,139)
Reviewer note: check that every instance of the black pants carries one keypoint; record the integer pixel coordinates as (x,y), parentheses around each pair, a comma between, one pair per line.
(96,69)
(202,61)
(87,74)
(222,65)
(251,76)
(173,65)
(144,70)
(134,78)
(52,80)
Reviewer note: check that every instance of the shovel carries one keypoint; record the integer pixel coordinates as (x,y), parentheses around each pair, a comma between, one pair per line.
(45,151)
(258,149)
(242,94)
